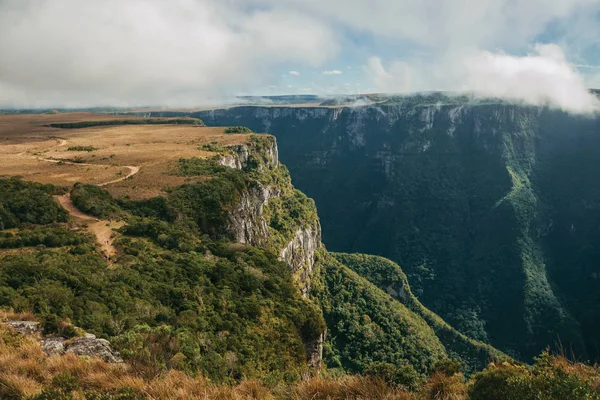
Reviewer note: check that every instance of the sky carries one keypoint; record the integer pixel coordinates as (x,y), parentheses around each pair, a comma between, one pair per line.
(186,53)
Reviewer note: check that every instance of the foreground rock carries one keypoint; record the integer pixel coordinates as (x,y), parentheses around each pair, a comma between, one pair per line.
(89,345)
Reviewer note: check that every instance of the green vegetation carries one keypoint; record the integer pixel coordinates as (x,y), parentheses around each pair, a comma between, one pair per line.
(27,374)
(82,148)
(366,326)
(93,200)
(24,202)
(238,129)
(142,121)
(390,278)
(182,294)
(229,311)
(45,236)
(552,378)
(208,203)
(215,147)
(200,167)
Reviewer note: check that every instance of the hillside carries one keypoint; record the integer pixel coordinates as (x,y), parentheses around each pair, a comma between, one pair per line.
(490,208)
(389,278)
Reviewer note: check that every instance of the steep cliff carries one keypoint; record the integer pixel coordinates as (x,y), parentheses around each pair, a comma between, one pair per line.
(267,215)
(490,208)
(271,212)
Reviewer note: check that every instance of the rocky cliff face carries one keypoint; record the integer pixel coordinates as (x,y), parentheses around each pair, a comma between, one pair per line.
(491,209)
(299,253)
(248,223)
(245,156)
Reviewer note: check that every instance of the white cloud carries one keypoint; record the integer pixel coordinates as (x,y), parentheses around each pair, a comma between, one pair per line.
(74,52)
(182,52)
(543,77)
(294,73)
(445,24)
(592,80)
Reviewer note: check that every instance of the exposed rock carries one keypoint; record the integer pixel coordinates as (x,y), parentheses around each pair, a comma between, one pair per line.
(25,327)
(242,154)
(299,254)
(231,161)
(92,347)
(54,345)
(88,345)
(399,291)
(246,221)
(314,351)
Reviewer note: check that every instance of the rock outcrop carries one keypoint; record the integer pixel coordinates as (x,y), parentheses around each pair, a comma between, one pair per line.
(261,154)
(25,327)
(88,345)
(246,221)
(314,351)
(91,346)
(299,254)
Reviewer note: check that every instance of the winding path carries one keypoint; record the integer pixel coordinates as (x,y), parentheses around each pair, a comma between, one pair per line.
(101,229)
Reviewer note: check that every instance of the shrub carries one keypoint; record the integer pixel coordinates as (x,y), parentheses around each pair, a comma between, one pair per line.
(82,148)
(24,202)
(238,129)
(401,375)
(443,387)
(94,200)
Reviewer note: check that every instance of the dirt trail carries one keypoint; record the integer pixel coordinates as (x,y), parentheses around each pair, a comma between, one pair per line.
(102,229)
(132,171)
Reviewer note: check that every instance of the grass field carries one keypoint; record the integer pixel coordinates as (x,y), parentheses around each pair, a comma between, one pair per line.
(37,152)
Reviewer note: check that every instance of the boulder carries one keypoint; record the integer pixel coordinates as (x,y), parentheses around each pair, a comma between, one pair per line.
(93,347)
(25,327)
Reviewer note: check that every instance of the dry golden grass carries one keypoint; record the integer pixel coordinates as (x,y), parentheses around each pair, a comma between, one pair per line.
(25,371)
(17,386)
(443,387)
(6,315)
(25,141)
(350,387)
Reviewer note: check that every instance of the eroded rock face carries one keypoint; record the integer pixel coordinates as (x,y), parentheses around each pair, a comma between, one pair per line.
(93,347)
(54,345)
(246,222)
(25,327)
(242,155)
(314,351)
(299,254)
(230,161)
